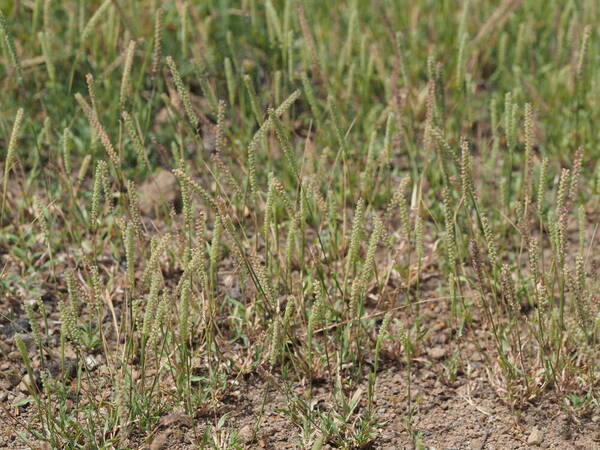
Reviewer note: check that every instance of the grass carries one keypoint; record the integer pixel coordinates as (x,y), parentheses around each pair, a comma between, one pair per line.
(331,159)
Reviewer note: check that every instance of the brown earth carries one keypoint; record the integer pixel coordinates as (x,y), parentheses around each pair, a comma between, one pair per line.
(461,413)
(452,410)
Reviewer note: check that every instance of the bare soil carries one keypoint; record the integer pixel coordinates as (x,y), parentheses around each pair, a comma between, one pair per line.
(461,412)
(456,394)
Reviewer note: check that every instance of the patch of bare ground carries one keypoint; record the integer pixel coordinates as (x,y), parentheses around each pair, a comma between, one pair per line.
(454,399)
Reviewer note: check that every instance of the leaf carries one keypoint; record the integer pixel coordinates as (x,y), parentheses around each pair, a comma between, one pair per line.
(222,421)
(355,398)
(25,401)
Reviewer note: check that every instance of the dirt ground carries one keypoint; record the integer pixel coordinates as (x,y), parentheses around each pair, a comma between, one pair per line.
(463,413)
(466,417)
(455,393)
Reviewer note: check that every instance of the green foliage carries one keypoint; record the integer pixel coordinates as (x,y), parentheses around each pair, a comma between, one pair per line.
(319,159)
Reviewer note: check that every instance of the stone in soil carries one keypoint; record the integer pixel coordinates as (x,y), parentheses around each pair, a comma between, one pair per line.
(158,190)
(535,437)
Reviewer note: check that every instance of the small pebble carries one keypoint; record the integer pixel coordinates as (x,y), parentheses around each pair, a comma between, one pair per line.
(535,437)
(160,442)
(437,352)
(245,433)
(25,385)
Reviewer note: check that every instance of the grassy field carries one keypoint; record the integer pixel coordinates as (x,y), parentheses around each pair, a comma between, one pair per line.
(299,224)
